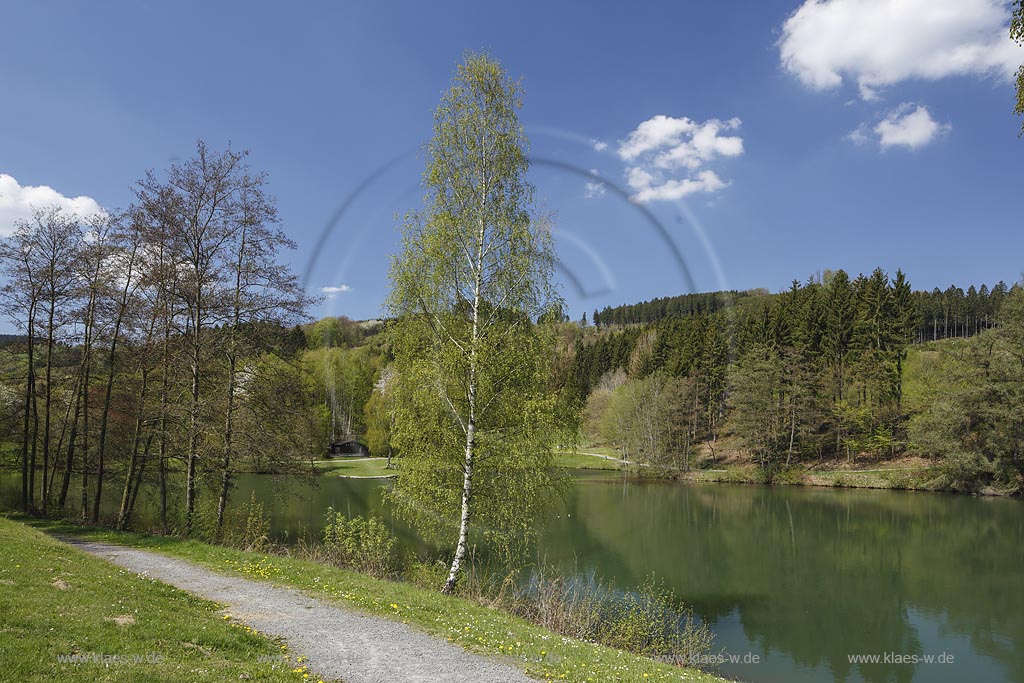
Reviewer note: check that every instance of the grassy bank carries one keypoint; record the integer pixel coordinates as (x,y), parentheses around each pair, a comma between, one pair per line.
(543,654)
(584,461)
(58,603)
(354,467)
(879,477)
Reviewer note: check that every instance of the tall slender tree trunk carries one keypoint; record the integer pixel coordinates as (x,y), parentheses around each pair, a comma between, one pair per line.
(133,460)
(229,416)
(467,475)
(138,478)
(225,473)
(70,423)
(35,445)
(47,395)
(193,434)
(69,458)
(104,418)
(164,401)
(111,372)
(85,441)
(30,388)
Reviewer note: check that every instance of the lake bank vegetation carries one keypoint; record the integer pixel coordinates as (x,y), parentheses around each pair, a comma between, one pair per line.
(552,628)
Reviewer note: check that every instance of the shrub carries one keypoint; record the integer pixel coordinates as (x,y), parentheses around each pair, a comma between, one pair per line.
(651,622)
(899,480)
(247,527)
(964,471)
(361,543)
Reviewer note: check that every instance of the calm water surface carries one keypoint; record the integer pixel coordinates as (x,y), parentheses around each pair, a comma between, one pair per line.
(800,577)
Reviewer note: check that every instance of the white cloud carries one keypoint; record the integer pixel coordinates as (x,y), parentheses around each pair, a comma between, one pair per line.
(859,135)
(662,148)
(599,145)
(705,181)
(910,126)
(17,202)
(878,43)
(333,290)
(594,189)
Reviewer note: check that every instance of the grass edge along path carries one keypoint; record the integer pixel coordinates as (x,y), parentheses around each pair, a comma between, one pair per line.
(542,654)
(69,617)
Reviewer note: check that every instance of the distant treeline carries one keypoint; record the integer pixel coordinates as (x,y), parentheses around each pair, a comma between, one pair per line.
(667,306)
(816,371)
(947,313)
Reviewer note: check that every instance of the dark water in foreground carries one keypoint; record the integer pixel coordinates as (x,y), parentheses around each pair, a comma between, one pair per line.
(801,578)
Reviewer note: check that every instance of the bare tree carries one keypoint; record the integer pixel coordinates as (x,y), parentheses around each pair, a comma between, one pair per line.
(21,303)
(197,210)
(123,266)
(262,291)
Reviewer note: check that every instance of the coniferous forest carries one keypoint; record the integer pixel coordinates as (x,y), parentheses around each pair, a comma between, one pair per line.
(834,368)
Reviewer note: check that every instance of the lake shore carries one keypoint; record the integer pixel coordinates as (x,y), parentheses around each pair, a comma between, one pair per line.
(906,473)
(453,621)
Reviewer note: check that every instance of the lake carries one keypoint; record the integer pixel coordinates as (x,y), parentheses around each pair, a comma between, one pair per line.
(800,578)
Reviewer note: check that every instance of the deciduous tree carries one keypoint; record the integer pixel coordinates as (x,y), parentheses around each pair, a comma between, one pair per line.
(474,302)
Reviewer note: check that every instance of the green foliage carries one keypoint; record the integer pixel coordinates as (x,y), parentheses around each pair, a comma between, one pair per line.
(361,543)
(334,332)
(652,622)
(758,405)
(380,414)
(474,333)
(648,416)
(816,371)
(341,380)
(247,527)
(977,425)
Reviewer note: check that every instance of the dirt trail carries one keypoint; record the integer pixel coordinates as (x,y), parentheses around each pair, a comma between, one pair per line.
(338,643)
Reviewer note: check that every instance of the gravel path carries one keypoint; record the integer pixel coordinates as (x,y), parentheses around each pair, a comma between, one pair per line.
(339,644)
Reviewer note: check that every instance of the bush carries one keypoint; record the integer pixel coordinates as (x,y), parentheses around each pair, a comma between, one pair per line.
(247,527)
(361,543)
(426,574)
(649,621)
(789,475)
(964,471)
(899,480)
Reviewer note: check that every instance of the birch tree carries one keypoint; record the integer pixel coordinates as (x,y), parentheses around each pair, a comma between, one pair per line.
(473,297)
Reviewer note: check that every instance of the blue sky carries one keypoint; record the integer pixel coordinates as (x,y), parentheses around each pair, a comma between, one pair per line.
(761,141)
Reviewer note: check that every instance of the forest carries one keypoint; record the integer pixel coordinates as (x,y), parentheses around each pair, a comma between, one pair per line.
(818,372)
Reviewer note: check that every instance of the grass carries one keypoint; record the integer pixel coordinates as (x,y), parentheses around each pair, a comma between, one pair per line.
(377,467)
(58,601)
(355,467)
(883,477)
(541,653)
(583,461)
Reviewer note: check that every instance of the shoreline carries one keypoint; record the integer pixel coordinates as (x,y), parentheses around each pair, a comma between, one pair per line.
(916,478)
